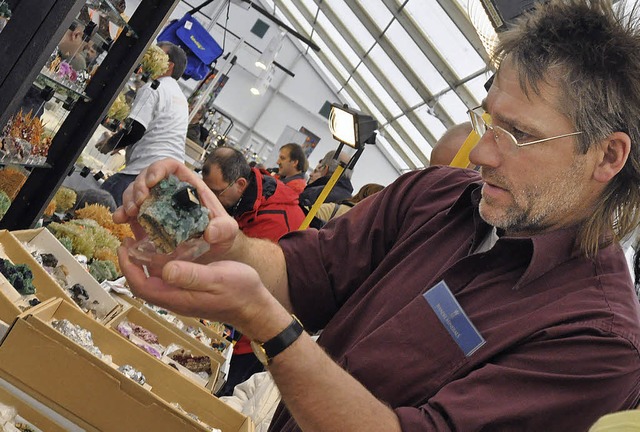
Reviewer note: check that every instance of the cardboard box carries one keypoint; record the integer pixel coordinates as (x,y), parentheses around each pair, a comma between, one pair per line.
(4,329)
(167,335)
(32,411)
(64,376)
(106,307)
(46,287)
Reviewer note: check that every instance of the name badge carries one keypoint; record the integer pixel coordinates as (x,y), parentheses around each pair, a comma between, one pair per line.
(453,318)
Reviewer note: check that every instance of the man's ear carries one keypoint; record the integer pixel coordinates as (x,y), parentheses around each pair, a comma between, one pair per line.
(613,153)
(170,68)
(242,183)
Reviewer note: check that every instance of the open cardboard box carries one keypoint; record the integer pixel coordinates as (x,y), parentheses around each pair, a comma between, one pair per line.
(90,392)
(167,335)
(11,301)
(106,307)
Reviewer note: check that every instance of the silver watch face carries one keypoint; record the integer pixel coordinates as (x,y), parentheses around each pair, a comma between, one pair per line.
(259,351)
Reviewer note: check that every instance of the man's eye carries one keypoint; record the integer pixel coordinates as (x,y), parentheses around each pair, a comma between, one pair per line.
(520,136)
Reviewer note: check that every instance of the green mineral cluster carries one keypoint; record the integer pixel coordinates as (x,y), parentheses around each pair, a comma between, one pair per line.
(5,203)
(20,276)
(172,214)
(103,270)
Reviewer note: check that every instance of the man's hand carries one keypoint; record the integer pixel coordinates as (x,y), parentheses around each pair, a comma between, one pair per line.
(226,243)
(225,291)
(222,230)
(103,145)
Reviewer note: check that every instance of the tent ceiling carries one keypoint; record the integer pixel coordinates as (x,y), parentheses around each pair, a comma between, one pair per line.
(415,65)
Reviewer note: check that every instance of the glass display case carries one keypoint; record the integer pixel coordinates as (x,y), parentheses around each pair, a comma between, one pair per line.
(68,64)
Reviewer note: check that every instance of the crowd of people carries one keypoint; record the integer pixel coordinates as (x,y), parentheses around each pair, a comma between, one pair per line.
(495,298)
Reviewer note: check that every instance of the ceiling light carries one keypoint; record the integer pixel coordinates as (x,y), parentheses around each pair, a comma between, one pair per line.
(271,51)
(264,80)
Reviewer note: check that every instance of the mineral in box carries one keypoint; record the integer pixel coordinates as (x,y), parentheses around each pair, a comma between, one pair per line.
(104,306)
(190,322)
(167,335)
(91,392)
(11,302)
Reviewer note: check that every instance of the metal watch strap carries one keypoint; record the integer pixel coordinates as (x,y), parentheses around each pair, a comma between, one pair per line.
(284,339)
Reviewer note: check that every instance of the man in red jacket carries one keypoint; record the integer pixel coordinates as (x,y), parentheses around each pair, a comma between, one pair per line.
(264,208)
(262,205)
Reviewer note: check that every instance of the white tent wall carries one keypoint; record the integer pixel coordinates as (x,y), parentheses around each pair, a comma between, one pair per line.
(292,102)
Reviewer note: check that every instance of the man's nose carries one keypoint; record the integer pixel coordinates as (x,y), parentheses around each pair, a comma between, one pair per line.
(486,152)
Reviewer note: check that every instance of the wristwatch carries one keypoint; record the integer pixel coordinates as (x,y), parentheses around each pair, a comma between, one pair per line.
(268,350)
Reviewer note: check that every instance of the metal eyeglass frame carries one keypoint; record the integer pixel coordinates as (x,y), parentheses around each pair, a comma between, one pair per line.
(478,123)
(226,189)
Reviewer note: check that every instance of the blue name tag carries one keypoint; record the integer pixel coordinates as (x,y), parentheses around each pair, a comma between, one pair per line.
(453,318)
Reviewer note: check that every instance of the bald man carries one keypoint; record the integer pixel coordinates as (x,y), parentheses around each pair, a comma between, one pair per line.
(449,143)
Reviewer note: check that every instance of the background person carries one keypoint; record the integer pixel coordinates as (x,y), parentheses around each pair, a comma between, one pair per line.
(159,120)
(328,211)
(292,166)
(320,176)
(447,147)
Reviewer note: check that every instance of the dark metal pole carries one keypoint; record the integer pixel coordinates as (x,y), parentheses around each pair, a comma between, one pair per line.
(85,117)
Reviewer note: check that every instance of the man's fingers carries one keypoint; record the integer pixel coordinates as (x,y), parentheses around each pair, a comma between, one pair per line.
(199,277)
(188,275)
(152,288)
(221,231)
(120,216)
(159,170)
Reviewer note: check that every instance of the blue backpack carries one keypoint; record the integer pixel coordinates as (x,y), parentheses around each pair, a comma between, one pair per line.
(201,49)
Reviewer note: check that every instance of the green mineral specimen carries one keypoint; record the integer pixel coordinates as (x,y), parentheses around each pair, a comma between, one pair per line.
(5,203)
(103,270)
(170,215)
(67,243)
(19,276)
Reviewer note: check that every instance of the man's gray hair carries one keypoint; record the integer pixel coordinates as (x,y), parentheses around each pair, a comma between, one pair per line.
(332,163)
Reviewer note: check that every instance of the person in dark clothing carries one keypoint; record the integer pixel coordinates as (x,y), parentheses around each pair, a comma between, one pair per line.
(341,191)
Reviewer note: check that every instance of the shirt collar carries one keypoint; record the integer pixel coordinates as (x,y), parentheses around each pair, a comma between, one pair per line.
(547,250)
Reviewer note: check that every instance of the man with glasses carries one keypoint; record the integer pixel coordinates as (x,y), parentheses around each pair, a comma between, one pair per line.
(264,208)
(262,205)
(455,300)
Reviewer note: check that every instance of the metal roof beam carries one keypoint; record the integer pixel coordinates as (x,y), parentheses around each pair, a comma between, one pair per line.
(366,88)
(398,59)
(431,53)
(380,75)
(461,20)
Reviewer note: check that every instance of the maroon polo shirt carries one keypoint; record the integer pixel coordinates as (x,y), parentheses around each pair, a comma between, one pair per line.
(562,331)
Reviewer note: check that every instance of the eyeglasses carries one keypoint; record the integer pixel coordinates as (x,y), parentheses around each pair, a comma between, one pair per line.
(482,125)
(219,193)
